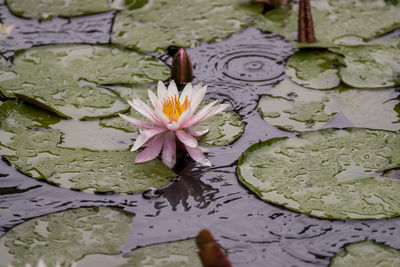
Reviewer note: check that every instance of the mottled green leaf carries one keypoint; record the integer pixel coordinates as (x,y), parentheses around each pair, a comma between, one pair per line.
(64,153)
(65,237)
(328,173)
(294,108)
(64,78)
(374,65)
(335,19)
(315,69)
(366,253)
(181,23)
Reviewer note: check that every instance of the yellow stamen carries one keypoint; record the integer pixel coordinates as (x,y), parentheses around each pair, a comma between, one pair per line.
(173,109)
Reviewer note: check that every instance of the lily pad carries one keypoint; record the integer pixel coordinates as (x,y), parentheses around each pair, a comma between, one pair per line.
(370,66)
(292,107)
(181,23)
(64,78)
(366,253)
(314,69)
(329,173)
(29,143)
(224,128)
(65,237)
(335,19)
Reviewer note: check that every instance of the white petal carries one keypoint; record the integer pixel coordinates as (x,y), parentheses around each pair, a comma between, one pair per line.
(169,150)
(152,150)
(197,97)
(147,112)
(197,134)
(145,136)
(161,91)
(173,126)
(187,91)
(144,108)
(162,117)
(172,89)
(197,155)
(142,124)
(200,114)
(186,139)
(156,103)
(198,119)
(184,117)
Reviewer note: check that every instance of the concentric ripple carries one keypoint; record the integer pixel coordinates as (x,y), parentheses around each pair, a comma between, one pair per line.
(251,57)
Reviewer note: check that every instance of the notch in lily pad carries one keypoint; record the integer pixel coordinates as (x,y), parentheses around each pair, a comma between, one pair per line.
(181,70)
(210,252)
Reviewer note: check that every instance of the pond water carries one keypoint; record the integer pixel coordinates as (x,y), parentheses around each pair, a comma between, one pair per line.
(238,71)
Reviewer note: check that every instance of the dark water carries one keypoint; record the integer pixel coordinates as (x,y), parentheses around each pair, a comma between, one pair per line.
(255,233)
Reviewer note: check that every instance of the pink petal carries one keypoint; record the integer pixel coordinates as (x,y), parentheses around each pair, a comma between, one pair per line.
(184,117)
(152,150)
(164,121)
(187,91)
(197,155)
(145,136)
(197,97)
(205,115)
(154,100)
(173,126)
(186,138)
(172,89)
(142,124)
(143,109)
(161,91)
(197,134)
(200,114)
(169,150)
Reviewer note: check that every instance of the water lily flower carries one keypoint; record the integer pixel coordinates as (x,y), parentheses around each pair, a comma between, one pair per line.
(172,120)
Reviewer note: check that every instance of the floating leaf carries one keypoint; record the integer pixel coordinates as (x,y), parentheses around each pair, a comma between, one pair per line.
(313,69)
(181,23)
(64,78)
(39,151)
(294,108)
(329,173)
(66,236)
(335,19)
(370,66)
(366,253)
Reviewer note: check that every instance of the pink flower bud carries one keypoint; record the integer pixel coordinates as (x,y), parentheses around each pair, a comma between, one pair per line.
(181,70)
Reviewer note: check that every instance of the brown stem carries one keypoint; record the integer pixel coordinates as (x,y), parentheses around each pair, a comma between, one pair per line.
(306,26)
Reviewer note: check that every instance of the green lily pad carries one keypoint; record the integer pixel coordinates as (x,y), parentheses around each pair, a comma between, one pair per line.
(370,66)
(366,253)
(224,128)
(65,237)
(335,19)
(292,107)
(329,173)
(64,78)
(31,142)
(314,69)
(181,23)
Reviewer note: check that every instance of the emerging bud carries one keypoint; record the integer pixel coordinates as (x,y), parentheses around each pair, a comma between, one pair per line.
(306,26)
(211,254)
(181,70)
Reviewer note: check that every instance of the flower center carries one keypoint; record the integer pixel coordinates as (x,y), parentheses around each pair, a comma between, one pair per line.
(173,108)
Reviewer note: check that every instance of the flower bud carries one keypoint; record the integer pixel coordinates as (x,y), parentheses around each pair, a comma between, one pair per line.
(211,254)
(181,70)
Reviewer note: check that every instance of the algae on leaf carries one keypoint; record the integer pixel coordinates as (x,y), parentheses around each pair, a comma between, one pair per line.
(64,78)
(181,23)
(329,173)
(33,141)
(366,253)
(335,19)
(65,237)
(292,107)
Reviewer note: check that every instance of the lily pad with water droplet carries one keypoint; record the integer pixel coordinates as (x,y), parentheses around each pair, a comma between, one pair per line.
(292,107)
(64,78)
(65,237)
(314,69)
(374,65)
(33,141)
(181,23)
(335,19)
(329,173)
(366,253)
